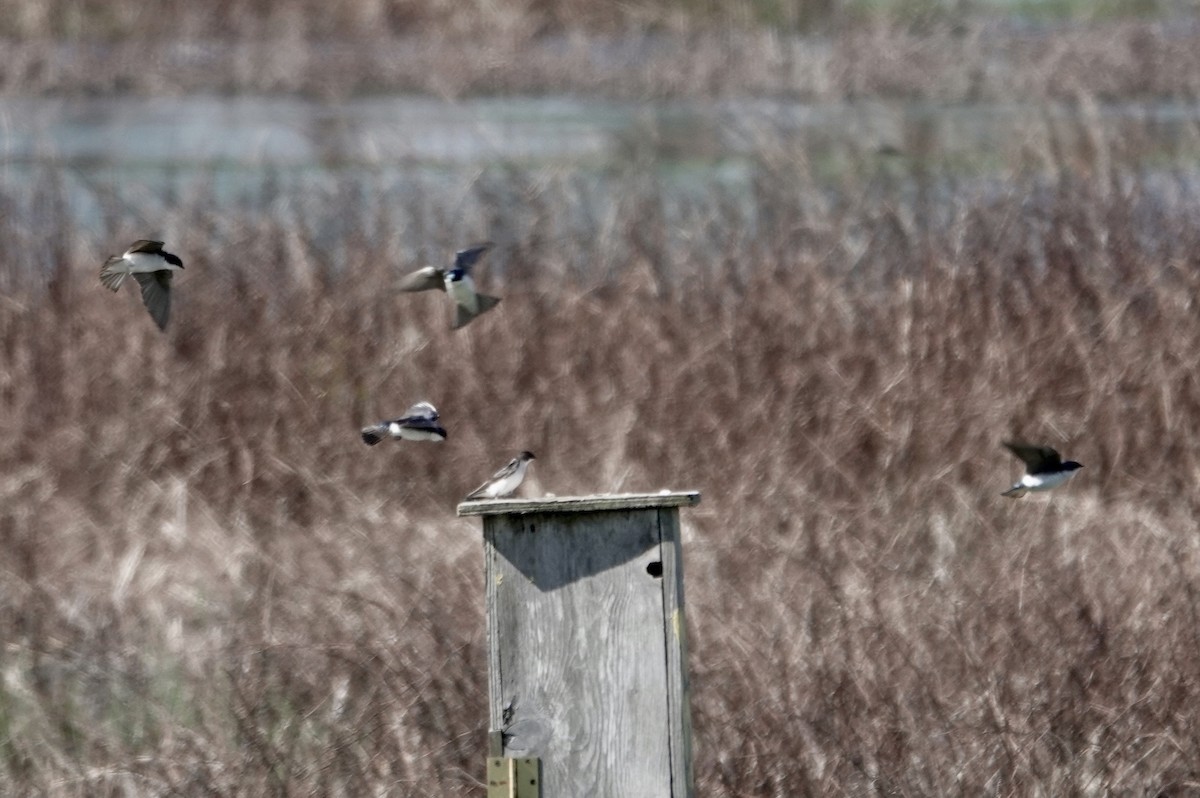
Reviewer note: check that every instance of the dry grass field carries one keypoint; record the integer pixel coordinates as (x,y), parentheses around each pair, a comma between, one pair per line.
(211,587)
(827,50)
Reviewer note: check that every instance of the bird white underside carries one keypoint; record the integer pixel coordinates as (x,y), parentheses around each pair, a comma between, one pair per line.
(146,262)
(1044,481)
(507,485)
(463,292)
(1037,482)
(410,434)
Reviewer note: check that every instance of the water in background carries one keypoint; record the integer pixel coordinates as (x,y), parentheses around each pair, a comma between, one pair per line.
(126,159)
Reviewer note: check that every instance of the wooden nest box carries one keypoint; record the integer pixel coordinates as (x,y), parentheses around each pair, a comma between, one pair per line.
(587,666)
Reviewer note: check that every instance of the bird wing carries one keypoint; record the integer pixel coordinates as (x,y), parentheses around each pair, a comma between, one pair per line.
(423,416)
(420,412)
(156,295)
(464,316)
(424,279)
(1037,459)
(146,245)
(466,258)
(507,471)
(111,275)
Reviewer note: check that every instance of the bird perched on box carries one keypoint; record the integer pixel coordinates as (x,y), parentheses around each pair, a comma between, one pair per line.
(419,423)
(504,481)
(458,284)
(1044,469)
(151,266)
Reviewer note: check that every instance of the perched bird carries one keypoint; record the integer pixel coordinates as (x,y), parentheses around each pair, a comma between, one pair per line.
(1044,469)
(151,266)
(457,283)
(419,423)
(504,481)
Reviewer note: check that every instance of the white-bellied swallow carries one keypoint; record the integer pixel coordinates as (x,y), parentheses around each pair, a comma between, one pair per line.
(457,283)
(419,423)
(504,481)
(151,266)
(1044,469)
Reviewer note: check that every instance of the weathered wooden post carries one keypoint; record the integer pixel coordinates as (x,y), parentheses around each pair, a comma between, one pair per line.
(587,669)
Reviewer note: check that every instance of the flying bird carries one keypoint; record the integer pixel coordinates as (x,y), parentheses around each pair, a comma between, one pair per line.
(151,266)
(419,423)
(457,283)
(1044,469)
(504,481)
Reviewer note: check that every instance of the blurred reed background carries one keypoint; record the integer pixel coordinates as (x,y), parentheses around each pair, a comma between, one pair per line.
(210,586)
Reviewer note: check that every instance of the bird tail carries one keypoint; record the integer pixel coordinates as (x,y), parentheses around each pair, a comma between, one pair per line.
(1015,492)
(110,277)
(465,316)
(373,435)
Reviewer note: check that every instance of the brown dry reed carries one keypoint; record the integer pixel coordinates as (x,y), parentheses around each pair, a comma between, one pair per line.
(644,51)
(210,586)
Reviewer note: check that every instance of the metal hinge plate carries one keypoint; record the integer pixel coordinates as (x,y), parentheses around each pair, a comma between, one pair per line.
(514,778)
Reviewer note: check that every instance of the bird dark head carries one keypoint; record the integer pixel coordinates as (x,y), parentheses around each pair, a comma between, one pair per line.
(526,455)
(1071,465)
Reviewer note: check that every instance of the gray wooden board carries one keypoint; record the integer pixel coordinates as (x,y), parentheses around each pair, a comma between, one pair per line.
(586,668)
(573,504)
(675,631)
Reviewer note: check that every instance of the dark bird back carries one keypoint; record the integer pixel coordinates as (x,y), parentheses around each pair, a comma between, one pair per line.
(1037,459)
